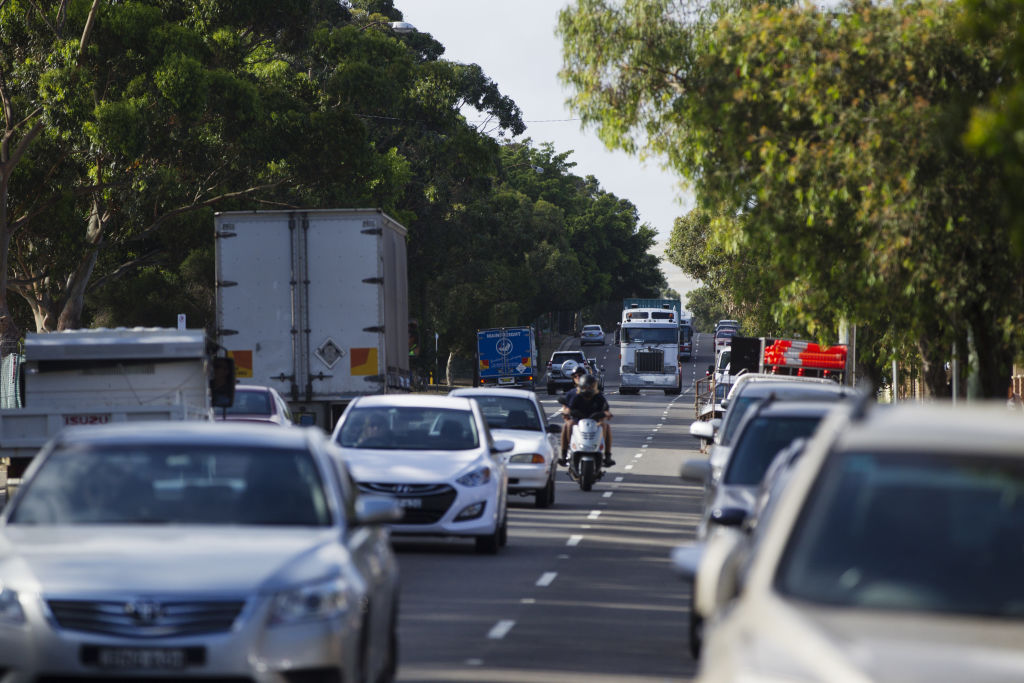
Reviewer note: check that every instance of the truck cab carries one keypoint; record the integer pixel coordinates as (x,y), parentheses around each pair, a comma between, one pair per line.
(649,349)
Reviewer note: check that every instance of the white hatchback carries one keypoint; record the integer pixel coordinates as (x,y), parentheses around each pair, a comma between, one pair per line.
(437,457)
(516,415)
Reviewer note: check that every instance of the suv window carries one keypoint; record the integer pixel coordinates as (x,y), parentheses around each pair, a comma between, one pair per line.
(559,357)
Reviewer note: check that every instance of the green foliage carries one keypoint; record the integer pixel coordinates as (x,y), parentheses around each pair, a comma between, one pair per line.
(823,146)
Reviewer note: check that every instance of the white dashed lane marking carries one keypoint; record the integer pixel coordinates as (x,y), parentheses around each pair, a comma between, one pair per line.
(546,578)
(574,539)
(501,629)
(594,514)
(607,494)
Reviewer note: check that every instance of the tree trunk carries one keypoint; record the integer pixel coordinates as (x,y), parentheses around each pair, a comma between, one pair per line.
(995,360)
(449,368)
(934,381)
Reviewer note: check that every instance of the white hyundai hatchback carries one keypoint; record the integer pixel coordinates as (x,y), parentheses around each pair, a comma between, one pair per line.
(437,457)
(516,415)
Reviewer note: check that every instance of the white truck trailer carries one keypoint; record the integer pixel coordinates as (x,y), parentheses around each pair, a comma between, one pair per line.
(315,304)
(100,376)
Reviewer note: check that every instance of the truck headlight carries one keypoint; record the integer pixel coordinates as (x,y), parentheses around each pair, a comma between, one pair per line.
(10,607)
(323,600)
(477,477)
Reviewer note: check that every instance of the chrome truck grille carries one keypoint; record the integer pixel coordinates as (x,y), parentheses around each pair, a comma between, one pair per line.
(652,360)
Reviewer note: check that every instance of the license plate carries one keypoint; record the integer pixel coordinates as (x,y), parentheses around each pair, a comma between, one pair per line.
(410,502)
(506,380)
(151,658)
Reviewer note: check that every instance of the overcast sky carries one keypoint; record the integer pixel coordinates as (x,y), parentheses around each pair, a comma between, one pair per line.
(515,44)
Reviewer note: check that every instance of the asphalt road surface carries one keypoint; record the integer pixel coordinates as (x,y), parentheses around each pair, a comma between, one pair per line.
(584,591)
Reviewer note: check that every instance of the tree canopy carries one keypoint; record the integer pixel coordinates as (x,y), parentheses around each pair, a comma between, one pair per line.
(823,145)
(125,124)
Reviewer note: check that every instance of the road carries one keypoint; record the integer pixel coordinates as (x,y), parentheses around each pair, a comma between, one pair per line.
(584,591)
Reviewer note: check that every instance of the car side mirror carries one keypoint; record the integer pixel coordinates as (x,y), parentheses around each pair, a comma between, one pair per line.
(702,429)
(222,384)
(371,509)
(728,516)
(503,446)
(696,471)
(553,429)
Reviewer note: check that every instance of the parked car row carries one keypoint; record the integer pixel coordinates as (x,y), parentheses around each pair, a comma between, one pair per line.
(843,540)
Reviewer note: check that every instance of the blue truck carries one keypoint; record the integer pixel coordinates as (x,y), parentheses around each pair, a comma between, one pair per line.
(506,357)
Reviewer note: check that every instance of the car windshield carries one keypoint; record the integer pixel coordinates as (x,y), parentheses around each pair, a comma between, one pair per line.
(250,403)
(919,532)
(409,428)
(650,335)
(509,412)
(725,333)
(194,484)
(723,360)
(591,328)
(734,416)
(757,444)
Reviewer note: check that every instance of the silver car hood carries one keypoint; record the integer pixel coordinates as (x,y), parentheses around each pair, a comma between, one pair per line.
(838,645)
(408,467)
(77,560)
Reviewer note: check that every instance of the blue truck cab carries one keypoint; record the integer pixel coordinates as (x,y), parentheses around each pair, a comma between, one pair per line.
(506,357)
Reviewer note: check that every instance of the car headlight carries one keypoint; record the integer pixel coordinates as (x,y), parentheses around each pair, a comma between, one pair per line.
(477,477)
(10,607)
(530,458)
(323,600)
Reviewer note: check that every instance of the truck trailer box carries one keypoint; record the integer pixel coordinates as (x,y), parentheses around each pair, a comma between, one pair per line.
(507,357)
(315,304)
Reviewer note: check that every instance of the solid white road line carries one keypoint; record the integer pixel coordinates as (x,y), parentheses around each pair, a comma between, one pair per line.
(546,578)
(574,540)
(501,629)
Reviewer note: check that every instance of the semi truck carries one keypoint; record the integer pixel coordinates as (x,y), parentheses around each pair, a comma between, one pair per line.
(649,347)
(314,303)
(506,357)
(102,376)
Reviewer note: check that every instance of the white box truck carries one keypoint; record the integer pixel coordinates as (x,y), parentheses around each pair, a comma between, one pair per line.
(315,304)
(101,376)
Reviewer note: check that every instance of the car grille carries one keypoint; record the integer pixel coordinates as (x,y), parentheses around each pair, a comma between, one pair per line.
(146,618)
(436,499)
(650,361)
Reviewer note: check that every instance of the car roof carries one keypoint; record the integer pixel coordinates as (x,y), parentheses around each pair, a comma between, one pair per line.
(788,390)
(247,434)
(415,401)
(470,392)
(986,428)
(793,409)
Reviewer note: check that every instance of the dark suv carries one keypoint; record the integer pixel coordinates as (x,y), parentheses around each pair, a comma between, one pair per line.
(557,380)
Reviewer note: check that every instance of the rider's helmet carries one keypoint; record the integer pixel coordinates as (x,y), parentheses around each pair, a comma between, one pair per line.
(588,384)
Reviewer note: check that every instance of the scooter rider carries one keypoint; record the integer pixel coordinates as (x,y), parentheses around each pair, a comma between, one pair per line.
(588,401)
(577,374)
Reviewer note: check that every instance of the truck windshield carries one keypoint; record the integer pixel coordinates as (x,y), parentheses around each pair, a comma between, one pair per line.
(650,335)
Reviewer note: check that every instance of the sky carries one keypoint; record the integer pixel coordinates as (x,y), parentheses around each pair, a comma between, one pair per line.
(516,45)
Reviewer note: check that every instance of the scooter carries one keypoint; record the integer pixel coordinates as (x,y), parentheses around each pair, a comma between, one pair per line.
(586,451)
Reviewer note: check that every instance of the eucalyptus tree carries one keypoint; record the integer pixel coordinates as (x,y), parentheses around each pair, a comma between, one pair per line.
(834,133)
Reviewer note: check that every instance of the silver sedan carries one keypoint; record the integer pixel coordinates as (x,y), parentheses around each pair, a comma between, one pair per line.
(212,551)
